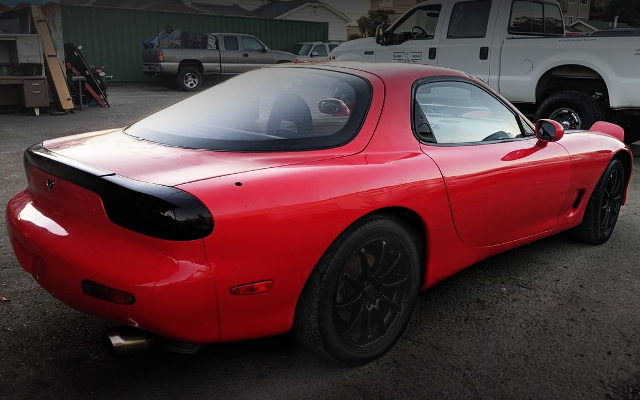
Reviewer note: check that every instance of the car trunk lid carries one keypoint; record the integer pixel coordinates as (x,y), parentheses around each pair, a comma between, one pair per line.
(116,152)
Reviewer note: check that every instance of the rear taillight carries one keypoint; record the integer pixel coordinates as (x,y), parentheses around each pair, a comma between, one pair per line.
(160,55)
(154,210)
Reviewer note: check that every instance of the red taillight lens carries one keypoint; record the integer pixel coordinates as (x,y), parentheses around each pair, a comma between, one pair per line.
(252,288)
(160,55)
(102,292)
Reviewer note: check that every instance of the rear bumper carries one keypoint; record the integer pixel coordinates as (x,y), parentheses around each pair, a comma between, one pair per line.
(171,281)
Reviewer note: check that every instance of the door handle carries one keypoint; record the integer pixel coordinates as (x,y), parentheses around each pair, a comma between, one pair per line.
(484,53)
(433,53)
(245,55)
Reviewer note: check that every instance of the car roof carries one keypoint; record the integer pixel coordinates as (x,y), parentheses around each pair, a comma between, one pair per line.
(385,70)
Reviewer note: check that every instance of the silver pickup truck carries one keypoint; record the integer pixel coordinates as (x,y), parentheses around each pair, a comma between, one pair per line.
(187,63)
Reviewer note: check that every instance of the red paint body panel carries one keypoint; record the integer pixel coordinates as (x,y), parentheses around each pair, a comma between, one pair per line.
(64,237)
(473,201)
(490,193)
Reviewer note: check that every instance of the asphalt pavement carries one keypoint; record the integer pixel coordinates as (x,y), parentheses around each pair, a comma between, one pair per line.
(552,320)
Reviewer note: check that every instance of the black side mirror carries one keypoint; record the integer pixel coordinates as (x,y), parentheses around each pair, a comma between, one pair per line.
(314,54)
(381,34)
(549,130)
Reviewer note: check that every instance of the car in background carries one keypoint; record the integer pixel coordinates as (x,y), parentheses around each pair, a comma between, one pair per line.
(316,51)
(519,48)
(186,58)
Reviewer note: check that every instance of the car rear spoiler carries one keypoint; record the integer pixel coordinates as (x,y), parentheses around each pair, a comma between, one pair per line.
(159,211)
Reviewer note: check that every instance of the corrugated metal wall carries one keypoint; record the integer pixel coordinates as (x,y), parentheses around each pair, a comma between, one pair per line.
(113,37)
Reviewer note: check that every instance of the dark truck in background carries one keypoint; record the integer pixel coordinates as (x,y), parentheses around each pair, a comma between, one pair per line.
(186,58)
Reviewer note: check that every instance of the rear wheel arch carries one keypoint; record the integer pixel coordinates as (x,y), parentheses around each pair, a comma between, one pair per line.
(571,77)
(191,63)
(410,219)
(310,323)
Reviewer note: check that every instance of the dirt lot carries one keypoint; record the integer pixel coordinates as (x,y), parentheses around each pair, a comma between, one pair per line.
(555,319)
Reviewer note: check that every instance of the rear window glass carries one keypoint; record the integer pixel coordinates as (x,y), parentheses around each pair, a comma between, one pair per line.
(532,17)
(272,109)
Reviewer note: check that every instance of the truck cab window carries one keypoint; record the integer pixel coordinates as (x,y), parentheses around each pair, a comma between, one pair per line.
(231,43)
(321,51)
(535,18)
(469,19)
(553,20)
(251,44)
(419,25)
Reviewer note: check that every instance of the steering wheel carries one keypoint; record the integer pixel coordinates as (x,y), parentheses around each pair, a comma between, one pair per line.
(422,31)
(500,135)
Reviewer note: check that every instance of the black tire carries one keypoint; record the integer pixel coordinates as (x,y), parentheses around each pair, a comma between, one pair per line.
(340,299)
(604,206)
(189,79)
(560,106)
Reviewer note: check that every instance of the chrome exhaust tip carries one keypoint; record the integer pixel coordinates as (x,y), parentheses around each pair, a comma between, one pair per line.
(127,341)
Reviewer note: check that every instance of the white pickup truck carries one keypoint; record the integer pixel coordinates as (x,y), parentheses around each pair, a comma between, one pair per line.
(519,48)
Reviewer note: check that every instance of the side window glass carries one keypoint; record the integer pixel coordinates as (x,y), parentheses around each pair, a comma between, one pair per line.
(231,43)
(532,17)
(333,46)
(421,24)
(553,20)
(460,112)
(469,19)
(321,49)
(251,44)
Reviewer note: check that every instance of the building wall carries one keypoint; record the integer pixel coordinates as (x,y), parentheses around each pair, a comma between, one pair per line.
(337,25)
(396,7)
(116,42)
(246,4)
(575,10)
(353,9)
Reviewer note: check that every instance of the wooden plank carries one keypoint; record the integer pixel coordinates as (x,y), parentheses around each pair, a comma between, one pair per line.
(56,73)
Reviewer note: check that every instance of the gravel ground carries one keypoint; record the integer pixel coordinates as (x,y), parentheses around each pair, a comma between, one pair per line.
(555,319)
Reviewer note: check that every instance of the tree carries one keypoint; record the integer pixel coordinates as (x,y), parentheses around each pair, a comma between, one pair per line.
(367,24)
(628,11)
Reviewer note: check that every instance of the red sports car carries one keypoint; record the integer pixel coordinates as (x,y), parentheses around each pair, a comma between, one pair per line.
(319,198)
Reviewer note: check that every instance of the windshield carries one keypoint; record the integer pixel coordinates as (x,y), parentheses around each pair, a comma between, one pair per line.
(272,109)
(304,50)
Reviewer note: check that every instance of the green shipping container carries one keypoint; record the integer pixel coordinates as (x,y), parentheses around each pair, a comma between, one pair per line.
(113,37)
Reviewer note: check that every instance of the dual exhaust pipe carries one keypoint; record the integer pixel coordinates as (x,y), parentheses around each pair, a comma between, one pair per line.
(127,341)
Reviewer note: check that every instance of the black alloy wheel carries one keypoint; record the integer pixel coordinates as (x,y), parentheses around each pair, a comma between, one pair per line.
(371,292)
(361,295)
(603,209)
(611,201)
